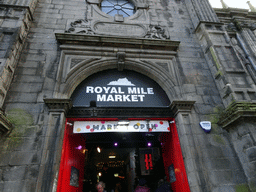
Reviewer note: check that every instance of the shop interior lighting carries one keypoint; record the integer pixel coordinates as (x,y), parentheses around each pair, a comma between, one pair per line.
(116,175)
(98,149)
(112,157)
(79,147)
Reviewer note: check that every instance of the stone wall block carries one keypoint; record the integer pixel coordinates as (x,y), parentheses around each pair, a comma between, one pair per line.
(15,173)
(221,177)
(22,97)
(13,186)
(221,164)
(24,158)
(5,158)
(1,186)
(229,188)
(27,87)
(252,169)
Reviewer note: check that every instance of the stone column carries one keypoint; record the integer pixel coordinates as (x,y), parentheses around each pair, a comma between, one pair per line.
(51,155)
(185,122)
(243,137)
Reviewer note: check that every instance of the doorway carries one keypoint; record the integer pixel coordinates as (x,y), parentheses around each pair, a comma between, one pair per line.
(124,158)
(129,156)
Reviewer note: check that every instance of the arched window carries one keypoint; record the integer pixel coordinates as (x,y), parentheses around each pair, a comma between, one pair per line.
(120,7)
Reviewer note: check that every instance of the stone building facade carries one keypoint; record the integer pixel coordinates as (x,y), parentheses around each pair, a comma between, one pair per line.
(203,58)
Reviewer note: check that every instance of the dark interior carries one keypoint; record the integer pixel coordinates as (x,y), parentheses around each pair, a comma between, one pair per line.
(126,164)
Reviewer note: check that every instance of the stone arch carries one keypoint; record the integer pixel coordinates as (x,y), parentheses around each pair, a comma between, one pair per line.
(151,70)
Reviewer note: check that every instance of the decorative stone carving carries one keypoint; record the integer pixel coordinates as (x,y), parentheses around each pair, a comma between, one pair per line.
(157,32)
(237,25)
(120,60)
(80,26)
(74,62)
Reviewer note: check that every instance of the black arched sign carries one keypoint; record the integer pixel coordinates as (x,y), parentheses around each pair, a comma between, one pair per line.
(114,88)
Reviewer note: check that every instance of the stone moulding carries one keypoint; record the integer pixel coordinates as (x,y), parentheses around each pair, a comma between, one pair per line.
(18,7)
(236,111)
(120,112)
(59,105)
(94,40)
(5,124)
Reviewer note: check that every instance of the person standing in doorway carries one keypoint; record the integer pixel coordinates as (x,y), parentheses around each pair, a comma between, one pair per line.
(108,178)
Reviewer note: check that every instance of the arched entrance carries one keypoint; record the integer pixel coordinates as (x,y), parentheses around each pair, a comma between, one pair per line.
(101,105)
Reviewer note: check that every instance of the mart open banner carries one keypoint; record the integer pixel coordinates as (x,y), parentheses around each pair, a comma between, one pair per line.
(121,126)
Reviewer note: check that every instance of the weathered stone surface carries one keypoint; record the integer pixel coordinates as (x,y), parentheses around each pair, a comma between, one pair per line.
(199,69)
(251,153)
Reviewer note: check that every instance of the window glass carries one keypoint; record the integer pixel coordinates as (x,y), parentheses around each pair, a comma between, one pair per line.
(121,7)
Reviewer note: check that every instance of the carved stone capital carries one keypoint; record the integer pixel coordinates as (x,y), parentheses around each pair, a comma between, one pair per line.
(5,124)
(58,105)
(181,106)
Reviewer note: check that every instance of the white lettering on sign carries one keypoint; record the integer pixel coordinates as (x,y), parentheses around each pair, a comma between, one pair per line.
(118,94)
(119,90)
(115,126)
(120,98)
(125,93)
